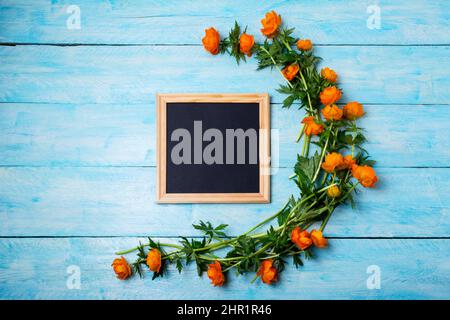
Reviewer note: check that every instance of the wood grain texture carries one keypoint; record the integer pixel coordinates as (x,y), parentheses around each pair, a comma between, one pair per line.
(121,202)
(40,266)
(124,135)
(160,22)
(77,143)
(93,74)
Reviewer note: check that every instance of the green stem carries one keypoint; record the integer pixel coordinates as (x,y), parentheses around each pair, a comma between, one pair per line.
(311,110)
(325,221)
(146,245)
(276,65)
(267,220)
(300,134)
(322,155)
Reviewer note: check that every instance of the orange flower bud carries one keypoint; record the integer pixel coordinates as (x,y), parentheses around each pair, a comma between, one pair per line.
(328,74)
(334,192)
(215,274)
(365,175)
(332,112)
(211,40)
(353,110)
(318,239)
(154,260)
(121,268)
(267,272)
(312,127)
(333,161)
(304,45)
(270,23)
(290,71)
(301,238)
(246,43)
(330,95)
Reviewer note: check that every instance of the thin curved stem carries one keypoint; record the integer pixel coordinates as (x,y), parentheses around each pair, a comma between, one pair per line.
(322,155)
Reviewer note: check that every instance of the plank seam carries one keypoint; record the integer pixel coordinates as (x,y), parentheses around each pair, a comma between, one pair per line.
(77,44)
(154,166)
(200,237)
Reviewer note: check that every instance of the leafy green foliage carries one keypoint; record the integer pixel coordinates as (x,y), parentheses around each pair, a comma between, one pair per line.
(231,44)
(210,231)
(305,169)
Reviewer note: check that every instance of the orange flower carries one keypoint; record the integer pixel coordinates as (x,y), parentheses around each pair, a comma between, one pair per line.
(330,95)
(267,272)
(349,162)
(365,175)
(318,239)
(290,71)
(301,238)
(121,268)
(215,274)
(333,161)
(211,40)
(353,110)
(332,112)
(246,43)
(304,45)
(270,23)
(154,260)
(328,74)
(334,192)
(312,127)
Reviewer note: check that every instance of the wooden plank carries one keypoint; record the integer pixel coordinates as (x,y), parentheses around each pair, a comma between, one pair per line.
(38,269)
(118,201)
(124,135)
(156,22)
(127,75)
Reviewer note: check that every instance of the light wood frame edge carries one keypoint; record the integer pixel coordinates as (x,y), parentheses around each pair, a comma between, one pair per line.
(264,149)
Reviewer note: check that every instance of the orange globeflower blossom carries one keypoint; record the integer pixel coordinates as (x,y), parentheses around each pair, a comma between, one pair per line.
(333,161)
(318,239)
(330,95)
(365,175)
(312,127)
(290,71)
(353,110)
(211,40)
(246,43)
(215,274)
(154,260)
(270,23)
(349,162)
(267,272)
(334,192)
(304,45)
(332,112)
(328,74)
(301,238)
(121,268)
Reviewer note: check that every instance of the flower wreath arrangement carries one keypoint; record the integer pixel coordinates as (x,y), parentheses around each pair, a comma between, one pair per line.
(325,180)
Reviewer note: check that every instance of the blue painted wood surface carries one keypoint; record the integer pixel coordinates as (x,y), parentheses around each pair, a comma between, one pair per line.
(77,144)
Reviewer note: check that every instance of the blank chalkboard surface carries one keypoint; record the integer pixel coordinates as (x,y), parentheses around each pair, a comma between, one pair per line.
(213,148)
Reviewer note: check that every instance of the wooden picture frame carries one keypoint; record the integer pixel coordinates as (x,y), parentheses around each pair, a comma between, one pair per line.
(263,196)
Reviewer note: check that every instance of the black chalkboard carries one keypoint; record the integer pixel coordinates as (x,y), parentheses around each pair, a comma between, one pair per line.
(212,147)
(212,178)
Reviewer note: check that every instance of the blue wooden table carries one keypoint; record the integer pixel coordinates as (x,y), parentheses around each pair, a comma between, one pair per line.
(77,144)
